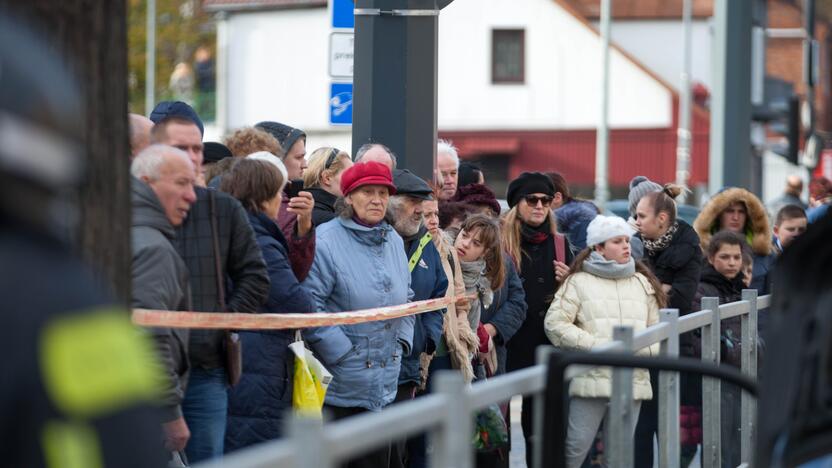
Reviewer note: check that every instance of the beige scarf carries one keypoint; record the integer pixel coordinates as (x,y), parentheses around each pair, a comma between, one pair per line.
(462,342)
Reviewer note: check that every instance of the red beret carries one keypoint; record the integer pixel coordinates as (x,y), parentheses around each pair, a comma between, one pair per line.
(366,173)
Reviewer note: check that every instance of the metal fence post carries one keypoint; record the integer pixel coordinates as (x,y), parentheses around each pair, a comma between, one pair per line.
(620,421)
(749,367)
(309,432)
(669,394)
(452,446)
(542,354)
(711,388)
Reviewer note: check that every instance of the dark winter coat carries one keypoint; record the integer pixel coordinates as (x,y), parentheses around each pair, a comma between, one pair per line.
(428,281)
(506,313)
(259,403)
(66,333)
(160,282)
(714,284)
(679,266)
(324,209)
(537,273)
(573,217)
(240,260)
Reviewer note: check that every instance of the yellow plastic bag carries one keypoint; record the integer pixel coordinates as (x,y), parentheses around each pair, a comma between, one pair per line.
(310,381)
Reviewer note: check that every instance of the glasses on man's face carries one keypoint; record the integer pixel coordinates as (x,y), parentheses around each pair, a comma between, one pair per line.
(330,160)
(532,200)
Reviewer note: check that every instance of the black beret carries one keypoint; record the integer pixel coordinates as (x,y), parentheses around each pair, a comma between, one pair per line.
(527,184)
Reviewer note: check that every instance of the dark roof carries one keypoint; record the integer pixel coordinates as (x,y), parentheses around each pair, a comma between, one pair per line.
(238,5)
(644,9)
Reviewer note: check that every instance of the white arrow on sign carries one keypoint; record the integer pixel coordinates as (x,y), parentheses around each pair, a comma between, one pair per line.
(341,50)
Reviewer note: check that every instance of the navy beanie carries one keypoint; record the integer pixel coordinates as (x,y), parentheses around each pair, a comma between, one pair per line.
(285,135)
(167,109)
(527,184)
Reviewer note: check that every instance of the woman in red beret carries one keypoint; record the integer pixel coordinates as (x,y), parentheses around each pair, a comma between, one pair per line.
(360,263)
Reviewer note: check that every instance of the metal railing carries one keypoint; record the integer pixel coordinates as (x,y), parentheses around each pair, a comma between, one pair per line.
(446,414)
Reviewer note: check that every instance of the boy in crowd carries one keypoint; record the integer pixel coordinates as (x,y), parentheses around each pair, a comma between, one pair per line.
(790,222)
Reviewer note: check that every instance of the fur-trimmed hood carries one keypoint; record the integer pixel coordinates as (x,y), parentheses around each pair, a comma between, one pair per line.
(757,227)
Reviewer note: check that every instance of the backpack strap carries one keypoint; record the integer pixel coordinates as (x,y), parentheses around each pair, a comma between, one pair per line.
(417,254)
(560,248)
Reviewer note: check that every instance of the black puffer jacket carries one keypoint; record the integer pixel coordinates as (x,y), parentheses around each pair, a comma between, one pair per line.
(240,259)
(678,265)
(714,284)
(324,209)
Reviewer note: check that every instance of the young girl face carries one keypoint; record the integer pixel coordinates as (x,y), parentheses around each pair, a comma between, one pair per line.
(468,246)
(616,249)
(727,260)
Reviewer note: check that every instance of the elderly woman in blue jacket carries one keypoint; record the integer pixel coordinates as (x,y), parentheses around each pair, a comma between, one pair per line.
(259,402)
(360,263)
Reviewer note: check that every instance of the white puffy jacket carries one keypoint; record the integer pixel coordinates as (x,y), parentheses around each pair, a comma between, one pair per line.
(583,314)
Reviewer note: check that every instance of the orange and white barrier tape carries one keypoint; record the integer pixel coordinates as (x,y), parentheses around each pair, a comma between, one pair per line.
(239,321)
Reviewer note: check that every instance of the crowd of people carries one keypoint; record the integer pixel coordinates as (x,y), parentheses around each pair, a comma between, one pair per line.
(252,224)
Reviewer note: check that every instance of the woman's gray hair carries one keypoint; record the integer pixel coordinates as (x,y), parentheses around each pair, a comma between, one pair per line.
(150,160)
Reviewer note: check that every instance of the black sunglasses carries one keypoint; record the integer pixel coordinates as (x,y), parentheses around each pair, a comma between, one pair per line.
(533,199)
(330,160)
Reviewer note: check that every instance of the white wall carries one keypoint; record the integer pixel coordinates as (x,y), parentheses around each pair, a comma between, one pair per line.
(563,65)
(658,45)
(277,70)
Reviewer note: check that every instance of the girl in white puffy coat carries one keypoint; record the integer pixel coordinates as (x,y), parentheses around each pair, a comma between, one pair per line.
(605,288)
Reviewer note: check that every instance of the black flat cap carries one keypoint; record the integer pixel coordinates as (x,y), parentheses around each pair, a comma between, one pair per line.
(215,152)
(411,185)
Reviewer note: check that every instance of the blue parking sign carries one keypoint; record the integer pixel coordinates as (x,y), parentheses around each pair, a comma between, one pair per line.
(342,14)
(340,104)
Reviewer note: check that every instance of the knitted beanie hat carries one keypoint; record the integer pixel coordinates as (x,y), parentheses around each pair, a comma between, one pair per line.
(639,187)
(285,135)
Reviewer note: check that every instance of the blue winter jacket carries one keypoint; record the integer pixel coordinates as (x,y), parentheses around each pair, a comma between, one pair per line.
(358,267)
(507,312)
(428,281)
(258,404)
(573,218)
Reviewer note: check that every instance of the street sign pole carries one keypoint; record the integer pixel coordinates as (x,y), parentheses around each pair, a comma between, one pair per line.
(395,79)
(602,136)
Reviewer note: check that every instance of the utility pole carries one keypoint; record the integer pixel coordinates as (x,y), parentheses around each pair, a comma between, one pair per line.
(683,133)
(602,144)
(730,145)
(150,60)
(395,79)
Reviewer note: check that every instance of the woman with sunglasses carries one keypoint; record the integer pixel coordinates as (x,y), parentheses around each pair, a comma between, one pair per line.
(322,178)
(541,257)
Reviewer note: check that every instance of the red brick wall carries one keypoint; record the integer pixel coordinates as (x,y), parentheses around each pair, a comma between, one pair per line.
(784,57)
